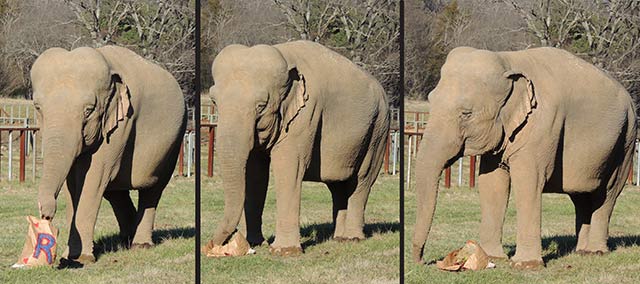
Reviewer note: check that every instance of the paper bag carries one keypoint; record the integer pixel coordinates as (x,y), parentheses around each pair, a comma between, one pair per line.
(237,246)
(471,257)
(40,244)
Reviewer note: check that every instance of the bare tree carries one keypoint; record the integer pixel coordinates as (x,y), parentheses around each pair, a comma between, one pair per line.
(607,33)
(159,30)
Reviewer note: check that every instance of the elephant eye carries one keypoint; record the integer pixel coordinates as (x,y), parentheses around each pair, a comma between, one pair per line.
(88,110)
(466,114)
(260,107)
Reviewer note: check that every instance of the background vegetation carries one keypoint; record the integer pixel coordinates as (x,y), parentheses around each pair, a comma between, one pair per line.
(365,31)
(606,33)
(159,30)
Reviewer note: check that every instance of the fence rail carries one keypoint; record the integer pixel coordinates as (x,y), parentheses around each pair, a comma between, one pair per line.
(415,123)
(208,125)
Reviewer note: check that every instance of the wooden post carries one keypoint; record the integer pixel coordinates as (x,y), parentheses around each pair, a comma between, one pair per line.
(386,154)
(447,177)
(0,156)
(181,159)
(472,171)
(22,155)
(630,177)
(212,134)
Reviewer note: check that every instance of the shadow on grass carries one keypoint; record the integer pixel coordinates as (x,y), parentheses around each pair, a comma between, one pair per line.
(562,245)
(322,232)
(113,243)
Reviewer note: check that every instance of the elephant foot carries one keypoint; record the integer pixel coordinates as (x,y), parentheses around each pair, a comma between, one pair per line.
(527,264)
(257,241)
(500,258)
(81,261)
(126,241)
(348,240)
(587,252)
(286,251)
(141,246)
(417,254)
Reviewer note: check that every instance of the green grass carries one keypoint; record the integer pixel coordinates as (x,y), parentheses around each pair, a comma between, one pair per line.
(374,260)
(457,219)
(170,261)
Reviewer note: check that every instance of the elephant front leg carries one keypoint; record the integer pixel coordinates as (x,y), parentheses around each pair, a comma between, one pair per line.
(125,213)
(82,228)
(288,177)
(494,196)
(72,203)
(256,194)
(528,183)
(86,188)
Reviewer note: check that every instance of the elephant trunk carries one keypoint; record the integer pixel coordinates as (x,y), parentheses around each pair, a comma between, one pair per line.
(60,151)
(436,153)
(236,142)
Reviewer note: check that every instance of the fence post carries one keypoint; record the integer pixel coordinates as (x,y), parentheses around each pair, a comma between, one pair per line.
(395,152)
(34,153)
(10,164)
(210,153)
(0,157)
(22,155)
(386,154)
(181,159)
(472,172)
(189,154)
(409,162)
(460,162)
(447,177)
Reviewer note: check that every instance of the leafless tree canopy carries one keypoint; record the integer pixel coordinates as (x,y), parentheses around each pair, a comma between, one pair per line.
(159,30)
(365,31)
(606,33)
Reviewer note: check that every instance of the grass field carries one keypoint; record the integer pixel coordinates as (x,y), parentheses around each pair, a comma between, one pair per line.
(170,261)
(375,260)
(457,219)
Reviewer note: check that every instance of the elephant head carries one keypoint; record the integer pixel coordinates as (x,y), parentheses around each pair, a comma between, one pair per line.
(481,102)
(79,100)
(257,94)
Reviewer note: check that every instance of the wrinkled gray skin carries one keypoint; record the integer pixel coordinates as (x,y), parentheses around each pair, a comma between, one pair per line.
(77,95)
(310,114)
(573,132)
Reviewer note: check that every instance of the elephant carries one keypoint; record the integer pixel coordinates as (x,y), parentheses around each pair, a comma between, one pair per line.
(111,121)
(310,114)
(542,121)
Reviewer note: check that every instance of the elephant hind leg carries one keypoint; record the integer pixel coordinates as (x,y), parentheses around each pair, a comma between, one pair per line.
(583,206)
(604,200)
(367,174)
(146,214)
(340,192)
(125,212)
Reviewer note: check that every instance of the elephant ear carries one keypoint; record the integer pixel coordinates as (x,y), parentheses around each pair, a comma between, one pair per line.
(118,107)
(296,98)
(519,103)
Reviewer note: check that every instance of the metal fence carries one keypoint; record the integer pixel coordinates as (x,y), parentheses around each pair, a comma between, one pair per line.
(465,170)
(208,124)
(21,149)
